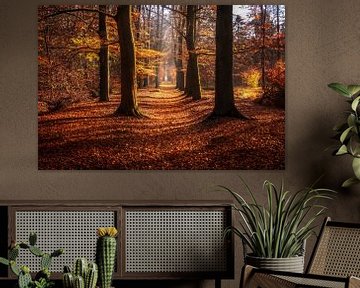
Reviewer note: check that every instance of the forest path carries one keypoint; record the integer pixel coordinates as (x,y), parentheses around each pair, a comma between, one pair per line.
(174,135)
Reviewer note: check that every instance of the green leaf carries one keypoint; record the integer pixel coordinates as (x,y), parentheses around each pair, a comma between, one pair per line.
(356,167)
(4,261)
(354,145)
(349,182)
(345,134)
(342,150)
(340,88)
(353,90)
(355,103)
(351,120)
(14,268)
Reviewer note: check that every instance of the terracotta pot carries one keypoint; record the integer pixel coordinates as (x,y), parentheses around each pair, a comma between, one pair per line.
(291,264)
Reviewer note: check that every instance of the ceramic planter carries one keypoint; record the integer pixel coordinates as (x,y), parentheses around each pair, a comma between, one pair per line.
(291,264)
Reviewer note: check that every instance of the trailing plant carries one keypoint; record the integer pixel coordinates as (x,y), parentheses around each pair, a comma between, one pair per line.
(279,229)
(42,278)
(85,275)
(105,254)
(348,132)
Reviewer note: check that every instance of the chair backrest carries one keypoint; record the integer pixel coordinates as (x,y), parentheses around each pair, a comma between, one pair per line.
(337,251)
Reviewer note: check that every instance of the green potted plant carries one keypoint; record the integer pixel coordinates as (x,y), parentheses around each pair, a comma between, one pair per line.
(348,132)
(275,234)
(42,278)
(84,274)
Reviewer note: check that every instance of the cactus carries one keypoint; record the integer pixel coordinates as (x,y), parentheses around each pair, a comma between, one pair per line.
(80,268)
(4,261)
(24,280)
(106,254)
(43,274)
(14,268)
(13,253)
(42,278)
(57,253)
(32,239)
(91,276)
(68,280)
(79,282)
(67,269)
(88,273)
(45,261)
(36,251)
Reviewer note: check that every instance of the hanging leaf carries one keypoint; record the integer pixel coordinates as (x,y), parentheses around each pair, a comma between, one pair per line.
(351,120)
(356,167)
(345,134)
(353,90)
(340,88)
(349,182)
(355,103)
(354,145)
(342,150)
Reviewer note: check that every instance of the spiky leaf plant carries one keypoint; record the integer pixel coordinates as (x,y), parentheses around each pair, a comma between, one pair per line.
(279,229)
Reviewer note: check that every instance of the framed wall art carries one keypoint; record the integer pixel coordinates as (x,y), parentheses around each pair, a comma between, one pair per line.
(161,87)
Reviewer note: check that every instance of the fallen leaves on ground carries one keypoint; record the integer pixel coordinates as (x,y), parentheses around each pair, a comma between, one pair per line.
(176,134)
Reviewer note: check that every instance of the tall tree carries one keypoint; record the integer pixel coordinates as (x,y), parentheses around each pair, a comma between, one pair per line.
(278,31)
(192,87)
(128,103)
(180,77)
(263,37)
(103,56)
(157,43)
(224,94)
(147,22)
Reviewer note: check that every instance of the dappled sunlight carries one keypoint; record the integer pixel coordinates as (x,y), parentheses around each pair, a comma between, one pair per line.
(174,135)
(248,93)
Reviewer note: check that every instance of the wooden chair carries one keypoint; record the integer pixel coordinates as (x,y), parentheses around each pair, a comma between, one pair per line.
(335,262)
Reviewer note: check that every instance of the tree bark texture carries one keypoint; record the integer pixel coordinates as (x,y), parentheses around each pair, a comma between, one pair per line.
(128,103)
(224,94)
(192,87)
(263,36)
(157,80)
(180,76)
(103,56)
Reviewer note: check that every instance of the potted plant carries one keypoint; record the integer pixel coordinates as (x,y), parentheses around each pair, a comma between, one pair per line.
(42,278)
(348,132)
(276,233)
(84,274)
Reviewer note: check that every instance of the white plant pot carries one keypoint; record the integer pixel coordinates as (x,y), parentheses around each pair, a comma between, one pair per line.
(291,264)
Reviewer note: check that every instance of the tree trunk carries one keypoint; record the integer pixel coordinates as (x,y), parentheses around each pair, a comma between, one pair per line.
(148,44)
(128,103)
(157,80)
(180,77)
(263,35)
(103,56)
(192,88)
(224,94)
(278,31)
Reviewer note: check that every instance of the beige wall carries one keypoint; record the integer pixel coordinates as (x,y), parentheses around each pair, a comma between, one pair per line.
(323,46)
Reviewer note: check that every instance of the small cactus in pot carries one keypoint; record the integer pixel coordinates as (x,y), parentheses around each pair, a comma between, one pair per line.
(42,278)
(106,254)
(85,275)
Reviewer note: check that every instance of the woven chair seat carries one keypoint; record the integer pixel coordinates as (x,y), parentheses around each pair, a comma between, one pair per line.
(335,262)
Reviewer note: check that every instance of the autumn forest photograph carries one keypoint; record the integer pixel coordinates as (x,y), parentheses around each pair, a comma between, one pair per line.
(161,87)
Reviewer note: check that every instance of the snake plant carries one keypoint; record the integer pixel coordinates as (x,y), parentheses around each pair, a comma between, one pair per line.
(348,132)
(279,228)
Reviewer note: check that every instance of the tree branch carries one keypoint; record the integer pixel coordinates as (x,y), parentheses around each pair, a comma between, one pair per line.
(69,11)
